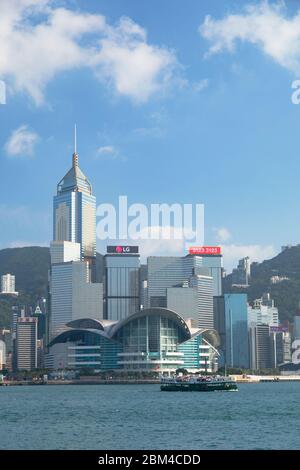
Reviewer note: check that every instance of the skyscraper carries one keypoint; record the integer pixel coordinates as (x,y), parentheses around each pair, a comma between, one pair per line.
(122,283)
(170,271)
(8,284)
(261,351)
(26,343)
(263,312)
(183,285)
(236,324)
(74,212)
(73,292)
(241,274)
(2,354)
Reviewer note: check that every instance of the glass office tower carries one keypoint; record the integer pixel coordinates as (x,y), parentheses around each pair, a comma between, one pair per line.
(236,324)
(73,292)
(122,284)
(171,271)
(74,211)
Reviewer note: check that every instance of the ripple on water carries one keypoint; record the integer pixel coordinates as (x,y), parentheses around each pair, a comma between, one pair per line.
(261,416)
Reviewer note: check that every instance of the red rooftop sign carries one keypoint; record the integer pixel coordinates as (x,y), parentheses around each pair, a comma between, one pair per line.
(205,250)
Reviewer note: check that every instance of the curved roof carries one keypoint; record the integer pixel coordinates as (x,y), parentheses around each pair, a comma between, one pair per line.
(154,311)
(86,324)
(109,329)
(73,334)
(210,335)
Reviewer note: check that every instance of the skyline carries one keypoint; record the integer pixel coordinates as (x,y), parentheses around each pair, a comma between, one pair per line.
(161,122)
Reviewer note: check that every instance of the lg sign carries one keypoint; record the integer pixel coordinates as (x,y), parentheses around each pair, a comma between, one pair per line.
(122,249)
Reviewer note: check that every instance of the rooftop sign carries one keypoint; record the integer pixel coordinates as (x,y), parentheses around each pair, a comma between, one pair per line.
(122,249)
(205,250)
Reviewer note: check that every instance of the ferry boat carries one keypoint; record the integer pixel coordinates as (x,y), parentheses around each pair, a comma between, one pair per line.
(202,383)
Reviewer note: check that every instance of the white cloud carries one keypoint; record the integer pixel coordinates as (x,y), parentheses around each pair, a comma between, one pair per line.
(265,25)
(137,68)
(201,85)
(109,152)
(106,150)
(32,53)
(232,253)
(222,234)
(21,142)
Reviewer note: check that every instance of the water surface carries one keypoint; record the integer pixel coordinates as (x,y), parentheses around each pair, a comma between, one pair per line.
(106,417)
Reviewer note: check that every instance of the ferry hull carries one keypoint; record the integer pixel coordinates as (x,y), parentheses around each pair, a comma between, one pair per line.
(199,387)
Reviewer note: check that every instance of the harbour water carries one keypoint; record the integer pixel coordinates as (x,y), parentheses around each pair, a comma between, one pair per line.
(106,417)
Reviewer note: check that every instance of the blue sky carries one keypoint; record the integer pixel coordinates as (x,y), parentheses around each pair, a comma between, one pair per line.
(169,107)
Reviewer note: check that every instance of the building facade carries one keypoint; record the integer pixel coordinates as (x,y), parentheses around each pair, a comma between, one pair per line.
(184,285)
(170,271)
(154,340)
(296,325)
(261,350)
(74,211)
(73,292)
(236,327)
(2,354)
(26,344)
(263,312)
(241,274)
(122,282)
(73,296)
(8,284)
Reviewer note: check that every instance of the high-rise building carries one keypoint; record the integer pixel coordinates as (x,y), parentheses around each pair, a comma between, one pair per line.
(41,317)
(183,285)
(263,312)
(171,271)
(220,326)
(281,345)
(2,354)
(73,296)
(122,282)
(26,343)
(8,284)
(16,312)
(203,283)
(143,285)
(193,300)
(73,292)
(241,274)
(74,212)
(6,337)
(261,351)
(209,257)
(296,325)
(184,301)
(236,324)
(165,272)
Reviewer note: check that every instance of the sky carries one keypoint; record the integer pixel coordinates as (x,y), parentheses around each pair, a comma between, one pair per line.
(174,101)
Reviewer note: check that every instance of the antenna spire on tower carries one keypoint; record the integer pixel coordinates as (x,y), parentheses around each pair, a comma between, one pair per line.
(75,155)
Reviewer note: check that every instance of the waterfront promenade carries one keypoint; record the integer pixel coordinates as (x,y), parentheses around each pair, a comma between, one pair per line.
(94,380)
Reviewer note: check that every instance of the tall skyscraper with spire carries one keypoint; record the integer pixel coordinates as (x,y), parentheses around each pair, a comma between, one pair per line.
(73,292)
(74,217)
